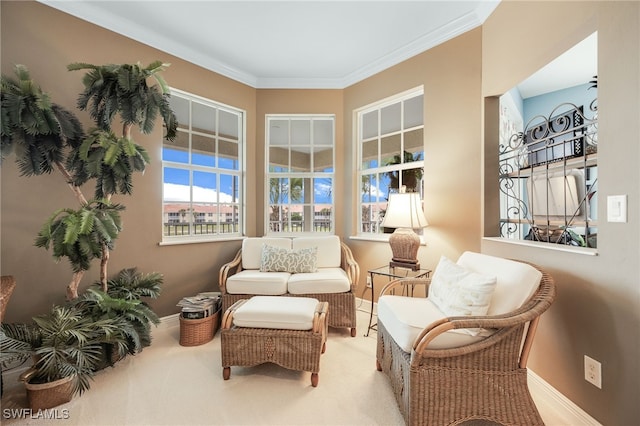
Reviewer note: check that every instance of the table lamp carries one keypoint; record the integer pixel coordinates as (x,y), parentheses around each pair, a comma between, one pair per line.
(404,212)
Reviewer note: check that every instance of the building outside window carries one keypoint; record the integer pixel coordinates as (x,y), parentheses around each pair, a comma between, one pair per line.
(390,137)
(202,173)
(300,159)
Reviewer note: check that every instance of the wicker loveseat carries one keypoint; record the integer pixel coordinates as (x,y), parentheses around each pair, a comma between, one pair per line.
(447,370)
(334,280)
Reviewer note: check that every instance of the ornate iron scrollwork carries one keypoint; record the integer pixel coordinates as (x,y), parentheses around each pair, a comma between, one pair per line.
(564,135)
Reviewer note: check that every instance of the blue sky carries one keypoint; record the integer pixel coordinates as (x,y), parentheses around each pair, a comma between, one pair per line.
(176,181)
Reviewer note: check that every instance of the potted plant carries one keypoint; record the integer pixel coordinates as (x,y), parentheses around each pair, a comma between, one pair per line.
(69,343)
(124,300)
(65,346)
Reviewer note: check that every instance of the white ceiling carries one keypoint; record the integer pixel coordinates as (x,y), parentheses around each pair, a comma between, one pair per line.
(287,44)
(576,66)
(310,44)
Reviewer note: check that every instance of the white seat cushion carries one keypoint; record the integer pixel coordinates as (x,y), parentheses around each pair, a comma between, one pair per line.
(515,281)
(252,281)
(329,251)
(288,313)
(405,317)
(325,280)
(252,249)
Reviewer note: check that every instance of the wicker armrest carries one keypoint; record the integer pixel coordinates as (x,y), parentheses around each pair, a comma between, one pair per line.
(228,269)
(349,264)
(319,317)
(529,312)
(227,318)
(403,283)
(502,325)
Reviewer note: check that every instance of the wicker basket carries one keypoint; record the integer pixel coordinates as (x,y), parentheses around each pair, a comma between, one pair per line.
(48,395)
(194,332)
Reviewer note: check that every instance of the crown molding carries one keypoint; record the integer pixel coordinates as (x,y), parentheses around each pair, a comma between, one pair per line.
(90,12)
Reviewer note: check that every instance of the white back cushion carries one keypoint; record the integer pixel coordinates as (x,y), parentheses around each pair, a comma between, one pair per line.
(458,291)
(516,281)
(329,252)
(252,249)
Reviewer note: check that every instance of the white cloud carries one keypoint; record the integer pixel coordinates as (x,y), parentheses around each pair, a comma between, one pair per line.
(375,191)
(323,190)
(180,193)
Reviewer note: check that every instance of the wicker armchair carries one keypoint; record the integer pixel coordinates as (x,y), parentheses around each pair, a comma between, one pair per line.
(483,380)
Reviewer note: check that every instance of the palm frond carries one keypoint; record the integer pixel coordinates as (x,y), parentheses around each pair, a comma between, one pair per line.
(123,89)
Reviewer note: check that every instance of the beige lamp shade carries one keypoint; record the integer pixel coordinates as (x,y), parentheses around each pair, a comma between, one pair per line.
(404,212)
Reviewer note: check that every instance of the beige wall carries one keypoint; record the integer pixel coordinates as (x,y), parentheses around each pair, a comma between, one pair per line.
(450,74)
(293,101)
(27,202)
(597,311)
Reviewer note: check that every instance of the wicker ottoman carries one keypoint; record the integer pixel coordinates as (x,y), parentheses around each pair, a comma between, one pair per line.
(288,331)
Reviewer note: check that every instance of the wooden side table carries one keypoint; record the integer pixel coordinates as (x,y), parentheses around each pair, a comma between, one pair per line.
(391,273)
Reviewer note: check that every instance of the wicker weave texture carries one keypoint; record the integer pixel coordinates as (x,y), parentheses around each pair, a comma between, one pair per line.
(8,284)
(298,350)
(49,395)
(292,349)
(482,381)
(194,332)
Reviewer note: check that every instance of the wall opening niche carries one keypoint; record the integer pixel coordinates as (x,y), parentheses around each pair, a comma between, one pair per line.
(548,152)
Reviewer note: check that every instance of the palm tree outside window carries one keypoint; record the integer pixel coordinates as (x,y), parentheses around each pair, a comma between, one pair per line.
(300,173)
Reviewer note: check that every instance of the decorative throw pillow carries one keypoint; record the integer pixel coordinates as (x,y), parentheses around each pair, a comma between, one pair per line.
(276,259)
(457,291)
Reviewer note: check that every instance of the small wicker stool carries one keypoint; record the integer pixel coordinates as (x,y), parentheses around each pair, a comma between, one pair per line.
(288,331)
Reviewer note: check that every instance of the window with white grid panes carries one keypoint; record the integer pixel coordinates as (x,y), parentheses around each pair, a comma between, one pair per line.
(299,182)
(202,175)
(390,136)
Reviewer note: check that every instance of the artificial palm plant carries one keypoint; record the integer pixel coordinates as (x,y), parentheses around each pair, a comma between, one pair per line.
(124,301)
(70,341)
(46,137)
(63,343)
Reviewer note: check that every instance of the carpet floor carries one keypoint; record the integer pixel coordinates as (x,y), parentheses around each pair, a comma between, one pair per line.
(169,384)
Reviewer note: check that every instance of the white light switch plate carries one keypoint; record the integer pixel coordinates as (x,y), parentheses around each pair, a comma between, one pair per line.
(617,208)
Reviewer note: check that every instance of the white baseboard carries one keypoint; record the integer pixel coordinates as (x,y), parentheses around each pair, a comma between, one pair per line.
(11,377)
(566,410)
(169,321)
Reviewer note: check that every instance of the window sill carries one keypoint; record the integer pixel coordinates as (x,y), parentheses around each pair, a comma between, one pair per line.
(546,246)
(381,238)
(180,240)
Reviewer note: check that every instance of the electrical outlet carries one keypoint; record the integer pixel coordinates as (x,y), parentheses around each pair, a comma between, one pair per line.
(593,372)
(368,282)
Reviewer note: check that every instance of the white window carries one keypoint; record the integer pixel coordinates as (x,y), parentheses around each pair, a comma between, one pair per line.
(201,170)
(390,137)
(300,159)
